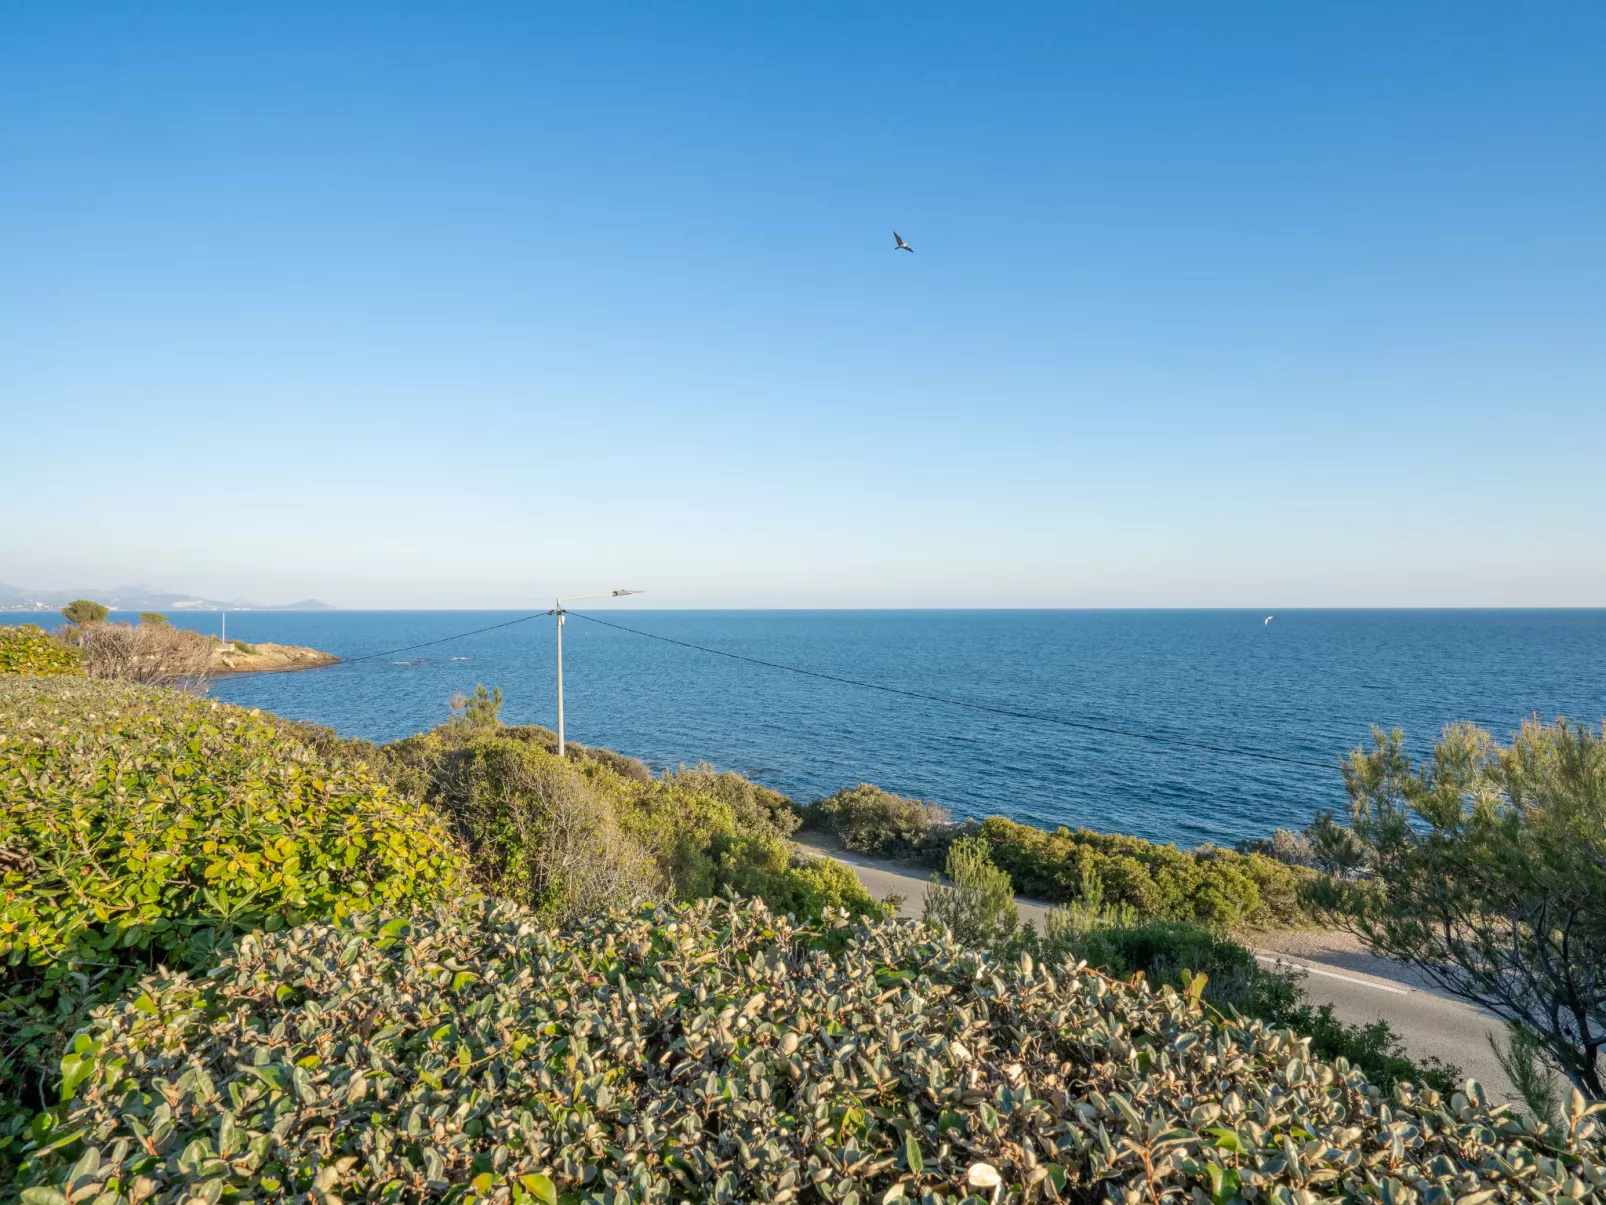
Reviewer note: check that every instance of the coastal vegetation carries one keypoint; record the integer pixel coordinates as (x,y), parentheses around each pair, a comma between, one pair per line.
(246,958)
(145,828)
(977,905)
(156,654)
(153,651)
(1215,888)
(719,1052)
(26,648)
(569,836)
(1485,867)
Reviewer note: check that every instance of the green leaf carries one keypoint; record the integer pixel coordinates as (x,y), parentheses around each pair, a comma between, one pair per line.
(42,1196)
(911,1153)
(75,1069)
(541,1187)
(1228,1140)
(1223,1183)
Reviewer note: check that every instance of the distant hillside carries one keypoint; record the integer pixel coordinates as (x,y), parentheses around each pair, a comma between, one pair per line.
(141,598)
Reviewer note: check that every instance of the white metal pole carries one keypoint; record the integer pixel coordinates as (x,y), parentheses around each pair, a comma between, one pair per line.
(559,610)
(223,618)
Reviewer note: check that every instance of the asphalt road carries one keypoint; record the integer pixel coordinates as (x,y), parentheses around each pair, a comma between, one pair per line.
(1430,1024)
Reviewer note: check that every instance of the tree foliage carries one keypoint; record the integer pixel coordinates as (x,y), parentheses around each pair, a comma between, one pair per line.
(84,611)
(1485,867)
(481,710)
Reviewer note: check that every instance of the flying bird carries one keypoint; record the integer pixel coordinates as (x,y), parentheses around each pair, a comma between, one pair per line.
(1269,618)
(902,246)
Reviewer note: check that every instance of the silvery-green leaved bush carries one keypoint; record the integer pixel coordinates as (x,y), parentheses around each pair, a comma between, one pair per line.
(719,1052)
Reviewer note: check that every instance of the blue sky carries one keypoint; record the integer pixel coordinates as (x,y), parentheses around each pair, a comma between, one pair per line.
(430,305)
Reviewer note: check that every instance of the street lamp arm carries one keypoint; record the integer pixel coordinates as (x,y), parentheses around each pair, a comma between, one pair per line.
(608,594)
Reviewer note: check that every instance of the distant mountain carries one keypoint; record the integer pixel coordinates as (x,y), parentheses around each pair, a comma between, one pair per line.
(141,598)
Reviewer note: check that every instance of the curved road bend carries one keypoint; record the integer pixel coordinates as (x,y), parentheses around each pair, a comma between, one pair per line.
(1360,987)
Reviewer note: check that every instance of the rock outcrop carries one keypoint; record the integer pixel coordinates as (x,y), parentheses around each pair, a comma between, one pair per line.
(251,658)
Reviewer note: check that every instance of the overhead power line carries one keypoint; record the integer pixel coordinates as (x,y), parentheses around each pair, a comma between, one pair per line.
(406,648)
(1154,738)
(967,704)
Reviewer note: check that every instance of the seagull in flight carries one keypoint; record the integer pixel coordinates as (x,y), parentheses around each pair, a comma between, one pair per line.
(902,246)
(1269,618)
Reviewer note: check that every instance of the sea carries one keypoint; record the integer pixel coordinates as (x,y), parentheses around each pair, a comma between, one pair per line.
(1180,726)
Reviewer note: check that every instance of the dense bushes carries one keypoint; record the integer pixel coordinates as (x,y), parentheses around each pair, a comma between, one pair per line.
(142,826)
(26,648)
(567,836)
(1214,887)
(153,653)
(1217,888)
(719,1053)
(978,908)
(877,822)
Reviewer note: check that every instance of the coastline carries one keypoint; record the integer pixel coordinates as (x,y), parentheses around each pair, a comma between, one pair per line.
(240,658)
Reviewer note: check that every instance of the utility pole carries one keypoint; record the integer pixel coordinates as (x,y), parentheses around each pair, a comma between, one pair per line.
(558,611)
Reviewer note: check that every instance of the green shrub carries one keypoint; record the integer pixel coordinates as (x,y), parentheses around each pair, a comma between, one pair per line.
(26,648)
(152,617)
(1108,939)
(719,1053)
(977,905)
(1216,888)
(482,709)
(142,827)
(877,822)
(567,836)
(766,868)
(537,829)
(754,808)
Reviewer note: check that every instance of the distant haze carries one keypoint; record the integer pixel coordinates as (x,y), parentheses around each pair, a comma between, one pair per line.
(140,598)
(468,306)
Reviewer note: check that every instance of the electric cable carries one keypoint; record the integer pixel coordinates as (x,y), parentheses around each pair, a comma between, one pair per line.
(1257,754)
(406,648)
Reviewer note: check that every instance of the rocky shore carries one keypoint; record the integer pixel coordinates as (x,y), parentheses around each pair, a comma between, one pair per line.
(240,658)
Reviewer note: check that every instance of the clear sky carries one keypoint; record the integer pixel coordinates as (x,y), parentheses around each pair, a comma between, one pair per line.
(459,305)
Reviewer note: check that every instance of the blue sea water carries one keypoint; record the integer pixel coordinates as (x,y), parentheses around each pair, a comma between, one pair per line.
(1307,686)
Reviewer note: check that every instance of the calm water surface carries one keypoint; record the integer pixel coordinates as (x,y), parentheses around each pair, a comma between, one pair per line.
(1309,685)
